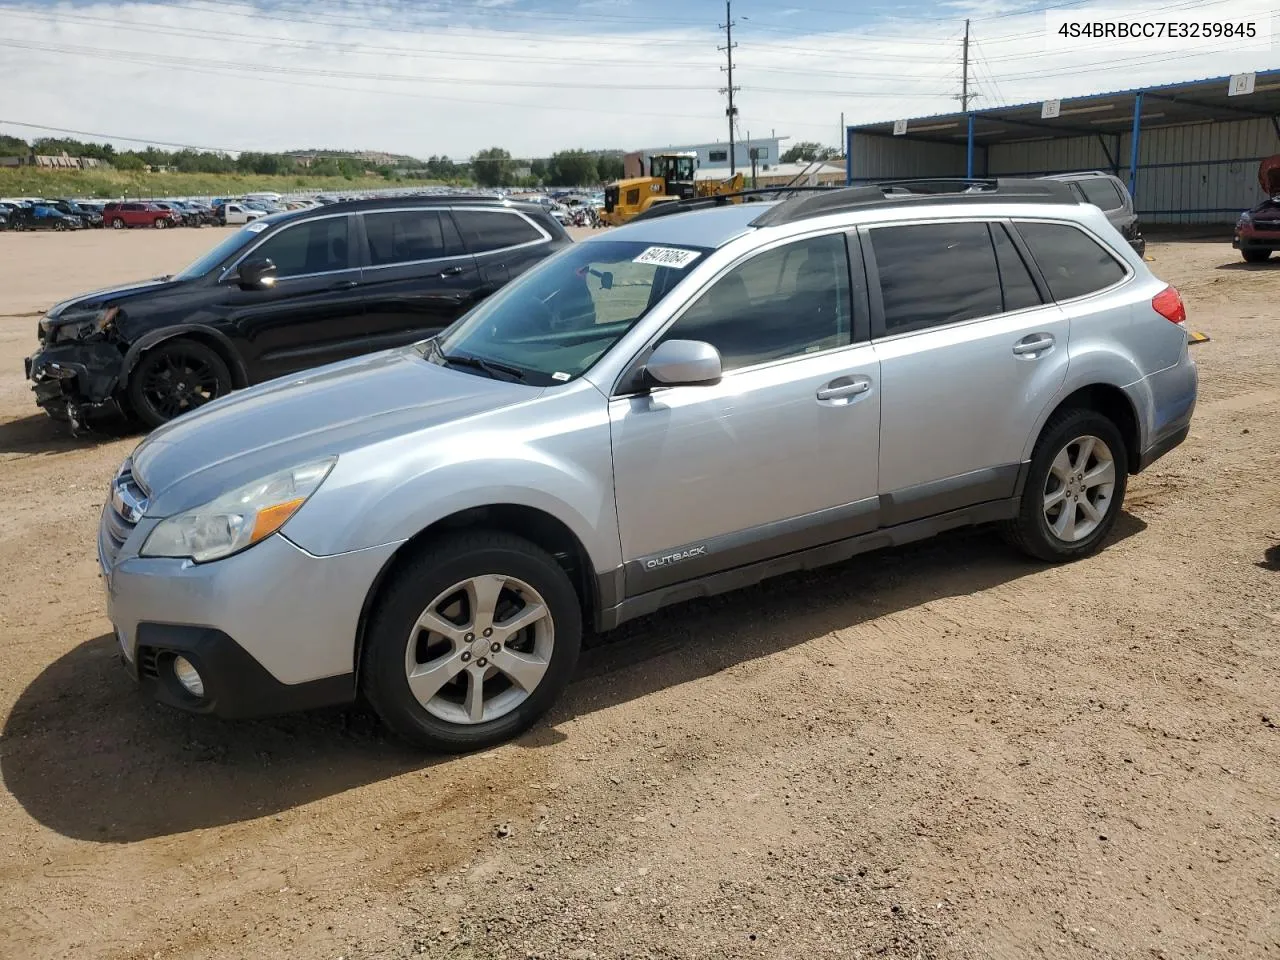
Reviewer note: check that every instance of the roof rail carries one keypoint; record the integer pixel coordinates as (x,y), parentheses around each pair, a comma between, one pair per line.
(893,192)
(801,203)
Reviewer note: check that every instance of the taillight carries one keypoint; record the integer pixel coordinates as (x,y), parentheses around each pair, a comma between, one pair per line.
(1168,303)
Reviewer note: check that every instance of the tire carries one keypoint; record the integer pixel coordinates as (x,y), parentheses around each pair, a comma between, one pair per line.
(161,223)
(175,377)
(395,640)
(1256,256)
(117,224)
(1081,534)
(59,226)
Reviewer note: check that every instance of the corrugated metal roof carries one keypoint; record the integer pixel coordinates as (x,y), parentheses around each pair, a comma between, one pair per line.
(1192,101)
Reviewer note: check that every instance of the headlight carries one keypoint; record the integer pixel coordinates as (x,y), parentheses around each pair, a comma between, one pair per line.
(81,326)
(239,519)
(1244,219)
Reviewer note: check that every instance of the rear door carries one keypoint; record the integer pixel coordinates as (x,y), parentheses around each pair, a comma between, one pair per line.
(417,277)
(970,354)
(505,243)
(313,313)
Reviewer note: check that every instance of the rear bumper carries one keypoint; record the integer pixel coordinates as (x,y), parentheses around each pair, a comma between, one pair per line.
(1172,397)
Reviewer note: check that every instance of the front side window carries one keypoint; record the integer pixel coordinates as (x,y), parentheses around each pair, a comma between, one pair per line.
(1072,262)
(554,321)
(786,302)
(316,246)
(935,273)
(405,236)
(485,230)
(1101,193)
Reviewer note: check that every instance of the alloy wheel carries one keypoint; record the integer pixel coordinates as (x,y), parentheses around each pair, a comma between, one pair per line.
(479,649)
(1079,488)
(178,382)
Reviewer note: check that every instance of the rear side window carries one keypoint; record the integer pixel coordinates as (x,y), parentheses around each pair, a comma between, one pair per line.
(494,229)
(1072,262)
(935,273)
(1015,279)
(1101,193)
(409,235)
(316,246)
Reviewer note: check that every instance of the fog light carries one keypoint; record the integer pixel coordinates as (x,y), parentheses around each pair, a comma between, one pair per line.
(188,676)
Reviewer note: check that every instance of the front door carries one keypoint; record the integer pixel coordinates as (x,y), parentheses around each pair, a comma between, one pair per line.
(970,356)
(418,278)
(781,454)
(312,313)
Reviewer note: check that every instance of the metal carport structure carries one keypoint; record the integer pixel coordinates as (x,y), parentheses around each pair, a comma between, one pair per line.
(1189,151)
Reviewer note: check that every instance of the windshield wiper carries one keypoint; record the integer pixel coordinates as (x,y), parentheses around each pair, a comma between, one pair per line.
(499,371)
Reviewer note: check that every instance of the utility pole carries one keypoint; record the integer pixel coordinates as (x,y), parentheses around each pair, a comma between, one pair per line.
(964,82)
(731,111)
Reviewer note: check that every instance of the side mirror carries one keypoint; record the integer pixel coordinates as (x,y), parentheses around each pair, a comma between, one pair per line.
(683,363)
(257,275)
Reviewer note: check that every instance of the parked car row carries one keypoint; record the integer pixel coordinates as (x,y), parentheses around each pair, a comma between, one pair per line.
(41,214)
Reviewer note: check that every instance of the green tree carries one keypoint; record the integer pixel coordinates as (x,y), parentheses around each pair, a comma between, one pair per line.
(573,168)
(492,167)
(13,146)
(538,169)
(129,162)
(808,150)
(609,166)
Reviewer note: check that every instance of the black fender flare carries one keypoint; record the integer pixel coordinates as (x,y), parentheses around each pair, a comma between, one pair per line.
(223,344)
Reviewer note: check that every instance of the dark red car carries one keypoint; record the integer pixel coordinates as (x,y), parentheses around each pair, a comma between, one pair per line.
(139,214)
(1258,230)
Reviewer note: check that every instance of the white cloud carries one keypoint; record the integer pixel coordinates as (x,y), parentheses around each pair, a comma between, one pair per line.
(414,82)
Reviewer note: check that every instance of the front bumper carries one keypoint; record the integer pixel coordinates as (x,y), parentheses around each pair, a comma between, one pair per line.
(1251,238)
(270,630)
(75,379)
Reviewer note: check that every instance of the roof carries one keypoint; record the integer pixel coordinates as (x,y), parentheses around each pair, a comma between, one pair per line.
(771,170)
(1172,104)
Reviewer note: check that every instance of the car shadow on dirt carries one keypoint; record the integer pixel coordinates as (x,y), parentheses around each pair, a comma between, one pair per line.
(87,757)
(40,433)
(1265,265)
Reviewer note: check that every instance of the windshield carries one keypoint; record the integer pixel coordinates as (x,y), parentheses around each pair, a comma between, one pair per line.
(219,253)
(555,321)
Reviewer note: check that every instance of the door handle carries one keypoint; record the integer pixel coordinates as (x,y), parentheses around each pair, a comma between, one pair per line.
(841,391)
(344,285)
(1036,343)
(451,272)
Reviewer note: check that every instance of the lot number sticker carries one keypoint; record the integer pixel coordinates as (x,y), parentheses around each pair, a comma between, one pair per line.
(672,257)
(256,227)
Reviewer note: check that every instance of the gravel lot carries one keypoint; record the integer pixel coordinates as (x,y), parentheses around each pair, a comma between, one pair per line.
(938,751)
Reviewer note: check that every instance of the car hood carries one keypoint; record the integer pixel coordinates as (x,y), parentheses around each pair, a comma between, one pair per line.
(293,420)
(111,296)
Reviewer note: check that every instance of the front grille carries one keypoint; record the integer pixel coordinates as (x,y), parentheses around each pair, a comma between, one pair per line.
(1267,226)
(125,506)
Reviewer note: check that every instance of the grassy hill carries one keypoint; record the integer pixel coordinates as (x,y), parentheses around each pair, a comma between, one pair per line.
(114,184)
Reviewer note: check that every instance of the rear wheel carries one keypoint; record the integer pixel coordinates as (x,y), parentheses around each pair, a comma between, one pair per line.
(471,642)
(1074,489)
(175,377)
(1256,256)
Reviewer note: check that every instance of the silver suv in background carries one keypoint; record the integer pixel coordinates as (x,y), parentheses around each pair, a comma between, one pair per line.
(672,409)
(1110,195)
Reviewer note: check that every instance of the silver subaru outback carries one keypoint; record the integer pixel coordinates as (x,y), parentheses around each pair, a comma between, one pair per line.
(672,409)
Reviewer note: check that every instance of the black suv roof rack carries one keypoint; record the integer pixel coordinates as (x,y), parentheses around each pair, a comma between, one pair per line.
(802,203)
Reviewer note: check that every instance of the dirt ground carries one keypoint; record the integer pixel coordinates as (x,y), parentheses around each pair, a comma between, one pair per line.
(940,751)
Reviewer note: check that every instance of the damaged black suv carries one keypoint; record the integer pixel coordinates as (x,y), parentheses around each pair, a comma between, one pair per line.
(285,292)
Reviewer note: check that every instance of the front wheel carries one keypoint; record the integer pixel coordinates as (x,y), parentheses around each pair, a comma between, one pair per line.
(175,377)
(471,642)
(1256,256)
(161,223)
(117,224)
(1074,489)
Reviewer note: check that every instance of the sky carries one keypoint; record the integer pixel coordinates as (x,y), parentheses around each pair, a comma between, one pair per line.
(535,76)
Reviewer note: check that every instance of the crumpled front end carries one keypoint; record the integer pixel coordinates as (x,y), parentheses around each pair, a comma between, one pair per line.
(73,381)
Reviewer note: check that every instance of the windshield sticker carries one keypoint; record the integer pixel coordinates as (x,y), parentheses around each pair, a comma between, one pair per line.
(558,375)
(257,226)
(672,257)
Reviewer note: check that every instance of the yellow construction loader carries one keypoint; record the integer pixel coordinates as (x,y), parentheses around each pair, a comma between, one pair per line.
(671,178)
